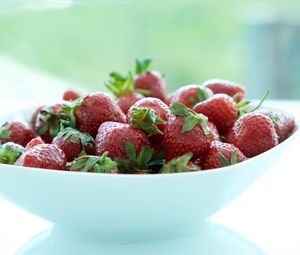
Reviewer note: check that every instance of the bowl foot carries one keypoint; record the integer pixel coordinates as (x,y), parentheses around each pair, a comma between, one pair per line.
(210,239)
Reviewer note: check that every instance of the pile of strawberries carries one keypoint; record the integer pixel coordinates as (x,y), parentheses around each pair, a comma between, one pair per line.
(144,131)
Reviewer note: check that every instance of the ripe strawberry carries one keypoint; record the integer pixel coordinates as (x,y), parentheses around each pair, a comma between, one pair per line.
(95,109)
(150,80)
(220,109)
(179,165)
(232,89)
(254,133)
(74,143)
(190,95)
(95,164)
(221,155)
(17,132)
(34,142)
(284,123)
(150,115)
(186,132)
(123,88)
(34,117)
(51,119)
(71,95)
(213,129)
(10,152)
(47,156)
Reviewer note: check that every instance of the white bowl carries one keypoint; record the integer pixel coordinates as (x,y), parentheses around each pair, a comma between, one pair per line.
(129,207)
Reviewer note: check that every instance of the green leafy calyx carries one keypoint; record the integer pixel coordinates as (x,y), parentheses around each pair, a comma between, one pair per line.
(143,65)
(233,159)
(179,165)
(10,152)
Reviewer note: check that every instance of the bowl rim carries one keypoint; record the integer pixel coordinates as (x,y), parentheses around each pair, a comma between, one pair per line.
(295,133)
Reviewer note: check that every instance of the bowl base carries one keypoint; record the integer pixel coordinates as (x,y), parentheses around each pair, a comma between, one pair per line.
(209,239)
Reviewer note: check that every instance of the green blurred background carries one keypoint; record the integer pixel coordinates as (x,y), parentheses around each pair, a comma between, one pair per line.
(190,41)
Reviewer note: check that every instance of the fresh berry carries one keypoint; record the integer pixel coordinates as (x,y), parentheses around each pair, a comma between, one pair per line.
(190,95)
(95,164)
(95,109)
(123,88)
(221,155)
(179,165)
(34,142)
(254,133)
(147,79)
(10,152)
(47,156)
(186,132)
(34,117)
(221,110)
(213,129)
(284,123)
(74,143)
(232,89)
(71,95)
(16,132)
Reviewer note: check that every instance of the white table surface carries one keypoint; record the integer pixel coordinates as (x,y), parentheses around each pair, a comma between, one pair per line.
(267,214)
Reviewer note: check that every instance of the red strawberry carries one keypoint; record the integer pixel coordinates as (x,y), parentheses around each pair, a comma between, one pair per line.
(74,143)
(221,155)
(152,81)
(228,137)
(10,152)
(213,129)
(283,122)
(71,95)
(34,142)
(186,132)
(254,133)
(179,165)
(218,86)
(17,132)
(34,117)
(95,164)
(47,156)
(220,109)
(51,119)
(95,109)
(123,88)
(190,95)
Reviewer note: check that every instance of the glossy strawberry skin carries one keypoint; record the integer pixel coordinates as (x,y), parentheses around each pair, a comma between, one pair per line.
(20,133)
(127,100)
(46,156)
(213,130)
(112,137)
(254,133)
(218,86)
(284,123)
(221,110)
(95,109)
(212,158)
(34,142)
(187,95)
(178,143)
(71,95)
(154,82)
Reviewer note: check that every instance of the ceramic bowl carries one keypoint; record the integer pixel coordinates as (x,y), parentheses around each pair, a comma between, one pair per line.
(118,206)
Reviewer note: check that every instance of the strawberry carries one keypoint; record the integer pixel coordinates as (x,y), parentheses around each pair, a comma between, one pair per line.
(34,117)
(179,165)
(186,132)
(74,143)
(283,122)
(123,88)
(220,109)
(95,109)
(221,155)
(150,80)
(71,95)
(10,152)
(226,87)
(254,133)
(47,156)
(190,95)
(95,164)
(17,132)
(52,119)
(33,143)
(213,129)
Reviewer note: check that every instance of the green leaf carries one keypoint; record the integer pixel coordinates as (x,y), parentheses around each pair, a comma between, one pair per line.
(5,134)
(130,151)
(243,104)
(10,152)
(179,165)
(179,109)
(223,159)
(202,94)
(233,158)
(142,65)
(190,122)
(144,157)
